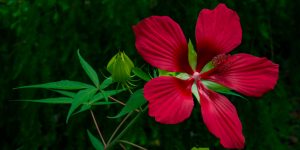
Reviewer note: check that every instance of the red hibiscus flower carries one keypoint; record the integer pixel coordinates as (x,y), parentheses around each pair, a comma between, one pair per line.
(161,43)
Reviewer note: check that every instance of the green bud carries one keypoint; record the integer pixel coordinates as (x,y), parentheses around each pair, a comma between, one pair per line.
(120,67)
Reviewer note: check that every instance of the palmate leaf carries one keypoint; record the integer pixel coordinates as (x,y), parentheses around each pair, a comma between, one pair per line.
(55,100)
(85,107)
(81,97)
(135,101)
(141,74)
(60,85)
(103,94)
(89,70)
(106,83)
(95,141)
(65,93)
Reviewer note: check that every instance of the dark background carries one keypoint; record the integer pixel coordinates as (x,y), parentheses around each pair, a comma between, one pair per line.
(39,40)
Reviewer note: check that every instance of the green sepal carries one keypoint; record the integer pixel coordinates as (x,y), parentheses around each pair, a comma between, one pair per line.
(220,88)
(135,101)
(95,141)
(192,55)
(60,85)
(207,67)
(166,73)
(120,67)
(89,70)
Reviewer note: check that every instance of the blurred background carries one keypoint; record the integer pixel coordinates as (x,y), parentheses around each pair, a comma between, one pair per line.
(39,40)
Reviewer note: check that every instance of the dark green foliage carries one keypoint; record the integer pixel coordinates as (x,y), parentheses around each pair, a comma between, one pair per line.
(39,40)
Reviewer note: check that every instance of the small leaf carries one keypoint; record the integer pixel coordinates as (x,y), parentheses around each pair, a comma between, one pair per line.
(141,74)
(192,55)
(103,94)
(95,141)
(135,101)
(89,70)
(65,93)
(83,108)
(80,98)
(106,83)
(61,85)
(56,100)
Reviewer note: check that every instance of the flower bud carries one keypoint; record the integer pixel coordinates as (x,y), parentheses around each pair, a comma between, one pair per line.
(120,67)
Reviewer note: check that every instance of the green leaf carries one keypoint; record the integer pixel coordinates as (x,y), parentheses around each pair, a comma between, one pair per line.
(80,98)
(65,93)
(56,100)
(95,141)
(135,101)
(141,74)
(103,94)
(89,70)
(60,85)
(192,55)
(106,83)
(83,108)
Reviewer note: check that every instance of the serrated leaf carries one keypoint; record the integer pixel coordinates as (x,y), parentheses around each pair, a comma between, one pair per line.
(192,55)
(135,101)
(55,100)
(89,70)
(65,93)
(106,83)
(60,85)
(103,94)
(141,74)
(80,98)
(95,141)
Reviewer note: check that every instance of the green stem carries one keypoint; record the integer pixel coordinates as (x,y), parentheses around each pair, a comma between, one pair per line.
(132,144)
(117,129)
(126,129)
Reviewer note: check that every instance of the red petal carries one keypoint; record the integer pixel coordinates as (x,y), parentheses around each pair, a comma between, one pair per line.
(221,118)
(217,31)
(170,99)
(161,42)
(247,74)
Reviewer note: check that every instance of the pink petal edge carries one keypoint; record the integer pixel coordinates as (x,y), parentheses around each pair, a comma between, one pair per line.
(221,118)
(161,42)
(247,74)
(217,31)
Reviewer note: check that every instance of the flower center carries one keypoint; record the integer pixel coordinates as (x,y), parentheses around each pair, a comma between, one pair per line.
(196,76)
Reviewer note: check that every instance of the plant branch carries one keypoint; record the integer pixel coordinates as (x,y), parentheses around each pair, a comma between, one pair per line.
(126,128)
(97,127)
(132,144)
(115,100)
(118,127)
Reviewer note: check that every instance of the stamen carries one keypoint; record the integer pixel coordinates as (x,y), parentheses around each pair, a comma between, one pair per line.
(221,62)
(220,59)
